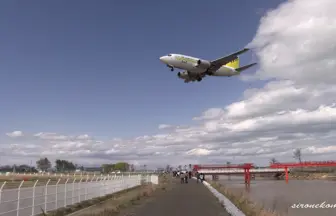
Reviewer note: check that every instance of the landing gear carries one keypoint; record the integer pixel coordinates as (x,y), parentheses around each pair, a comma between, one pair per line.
(171,68)
(207,72)
(199,79)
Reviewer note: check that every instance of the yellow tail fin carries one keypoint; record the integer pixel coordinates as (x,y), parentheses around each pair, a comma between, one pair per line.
(234,64)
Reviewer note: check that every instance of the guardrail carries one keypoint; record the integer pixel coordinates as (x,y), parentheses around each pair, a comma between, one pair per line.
(23,201)
(82,174)
(233,170)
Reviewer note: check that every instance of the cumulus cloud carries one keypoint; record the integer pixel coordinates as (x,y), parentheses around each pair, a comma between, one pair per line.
(296,109)
(15,134)
(298,46)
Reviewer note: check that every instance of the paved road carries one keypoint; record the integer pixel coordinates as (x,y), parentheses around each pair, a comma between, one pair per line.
(184,199)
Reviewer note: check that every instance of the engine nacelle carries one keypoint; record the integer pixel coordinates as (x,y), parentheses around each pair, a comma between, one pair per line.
(183,75)
(204,64)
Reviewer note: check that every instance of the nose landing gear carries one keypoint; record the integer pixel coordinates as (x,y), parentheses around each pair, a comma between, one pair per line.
(171,68)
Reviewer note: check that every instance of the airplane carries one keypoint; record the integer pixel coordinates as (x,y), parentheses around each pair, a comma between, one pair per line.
(195,69)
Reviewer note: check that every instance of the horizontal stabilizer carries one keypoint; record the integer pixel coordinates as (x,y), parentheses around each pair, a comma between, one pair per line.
(245,67)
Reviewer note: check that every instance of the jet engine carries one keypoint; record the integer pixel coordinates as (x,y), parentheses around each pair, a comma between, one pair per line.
(203,64)
(183,75)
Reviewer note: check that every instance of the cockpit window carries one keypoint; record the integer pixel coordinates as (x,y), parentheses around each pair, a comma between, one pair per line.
(169,54)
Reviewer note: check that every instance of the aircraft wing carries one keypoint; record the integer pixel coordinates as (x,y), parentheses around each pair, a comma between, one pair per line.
(216,64)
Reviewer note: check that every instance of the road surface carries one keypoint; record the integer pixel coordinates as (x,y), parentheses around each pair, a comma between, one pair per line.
(184,199)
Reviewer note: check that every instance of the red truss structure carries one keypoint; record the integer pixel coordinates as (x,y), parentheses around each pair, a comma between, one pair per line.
(246,167)
(302,164)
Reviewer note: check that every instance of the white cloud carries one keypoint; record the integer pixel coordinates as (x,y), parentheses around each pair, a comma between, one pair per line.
(165,126)
(212,113)
(15,134)
(198,151)
(296,110)
(50,136)
(298,46)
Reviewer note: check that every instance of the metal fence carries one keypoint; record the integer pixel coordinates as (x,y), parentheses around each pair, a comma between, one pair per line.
(24,201)
(78,174)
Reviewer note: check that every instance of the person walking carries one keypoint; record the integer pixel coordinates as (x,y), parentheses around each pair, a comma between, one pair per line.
(202,177)
(182,176)
(197,176)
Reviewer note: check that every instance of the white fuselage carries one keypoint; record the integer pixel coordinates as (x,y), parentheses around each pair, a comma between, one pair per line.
(189,64)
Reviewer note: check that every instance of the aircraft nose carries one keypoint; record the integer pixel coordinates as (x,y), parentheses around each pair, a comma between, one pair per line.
(163,59)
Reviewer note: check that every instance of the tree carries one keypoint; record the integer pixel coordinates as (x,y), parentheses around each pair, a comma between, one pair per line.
(120,166)
(43,164)
(297,154)
(228,164)
(23,168)
(185,167)
(273,161)
(64,166)
(190,166)
(180,167)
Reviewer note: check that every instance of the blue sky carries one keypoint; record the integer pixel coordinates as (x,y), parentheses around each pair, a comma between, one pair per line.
(92,66)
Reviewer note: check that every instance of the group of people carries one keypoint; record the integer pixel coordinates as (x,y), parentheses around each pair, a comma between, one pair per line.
(184,176)
(200,177)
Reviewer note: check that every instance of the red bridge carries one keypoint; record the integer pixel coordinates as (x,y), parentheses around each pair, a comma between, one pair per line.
(249,168)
